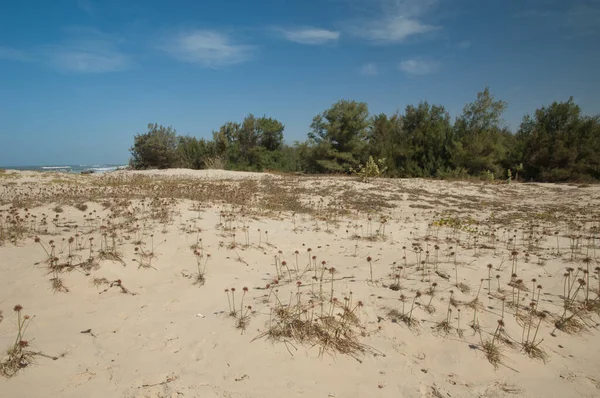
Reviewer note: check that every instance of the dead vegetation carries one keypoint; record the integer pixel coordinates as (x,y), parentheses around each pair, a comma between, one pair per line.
(436,250)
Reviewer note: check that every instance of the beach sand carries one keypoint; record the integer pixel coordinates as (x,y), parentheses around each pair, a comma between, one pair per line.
(125,318)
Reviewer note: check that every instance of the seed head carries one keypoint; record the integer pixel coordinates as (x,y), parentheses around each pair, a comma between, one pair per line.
(18,308)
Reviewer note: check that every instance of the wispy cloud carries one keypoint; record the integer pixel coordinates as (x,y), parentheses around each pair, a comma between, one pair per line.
(310,35)
(394,29)
(86,6)
(465,44)
(369,69)
(585,17)
(419,66)
(88,51)
(207,48)
(12,54)
(578,18)
(532,13)
(397,21)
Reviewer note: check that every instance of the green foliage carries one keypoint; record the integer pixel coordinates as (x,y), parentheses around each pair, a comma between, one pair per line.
(339,135)
(556,144)
(559,144)
(481,144)
(370,170)
(193,152)
(416,144)
(155,149)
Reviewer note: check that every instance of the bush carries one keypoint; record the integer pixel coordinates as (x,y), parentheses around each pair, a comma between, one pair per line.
(155,149)
(370,170)
(215,163)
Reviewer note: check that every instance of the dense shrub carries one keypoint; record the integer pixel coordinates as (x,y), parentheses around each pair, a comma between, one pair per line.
(557,144)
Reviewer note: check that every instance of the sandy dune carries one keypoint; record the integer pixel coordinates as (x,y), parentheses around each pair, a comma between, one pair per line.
(124,318)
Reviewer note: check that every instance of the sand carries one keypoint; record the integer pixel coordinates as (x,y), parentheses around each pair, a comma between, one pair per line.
(164,336)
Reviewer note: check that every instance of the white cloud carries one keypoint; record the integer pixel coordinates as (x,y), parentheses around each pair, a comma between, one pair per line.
(92,61)
(310,35)
(577,18)
(88,51)
(584,18)
(207,48)
(12,54)
(396,21)
(87,6)
(418,66)
(369,69)
(394,29)
(465,44)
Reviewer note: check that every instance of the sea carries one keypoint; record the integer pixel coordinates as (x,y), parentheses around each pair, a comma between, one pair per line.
(74,168)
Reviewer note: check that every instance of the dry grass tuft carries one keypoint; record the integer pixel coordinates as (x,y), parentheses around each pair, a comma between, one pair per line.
(492,352)
(463,288)
(332,333)
(570,325)
(534,351)
(443,328)
(18,356)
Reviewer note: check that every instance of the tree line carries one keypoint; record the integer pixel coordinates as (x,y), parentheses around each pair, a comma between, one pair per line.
(556,144)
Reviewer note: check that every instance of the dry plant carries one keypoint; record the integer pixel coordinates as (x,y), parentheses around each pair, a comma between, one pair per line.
(333,326)
(490,348)
(199,278)
(18,355)
(406,317)
(116,283)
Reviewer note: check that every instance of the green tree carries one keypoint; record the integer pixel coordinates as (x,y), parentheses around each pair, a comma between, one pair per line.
(193,152)
(386,141)
(250,145)
(479,144)
(339,135)
(155,149)
(428,135)
(270,133)
(559,144)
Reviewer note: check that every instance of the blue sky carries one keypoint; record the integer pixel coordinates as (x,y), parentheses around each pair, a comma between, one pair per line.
(78,78)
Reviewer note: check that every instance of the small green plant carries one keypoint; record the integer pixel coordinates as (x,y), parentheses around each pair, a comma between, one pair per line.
(373,169)
(487,175)
(518,169)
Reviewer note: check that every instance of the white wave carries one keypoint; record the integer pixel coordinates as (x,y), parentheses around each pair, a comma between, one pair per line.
(55,167)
